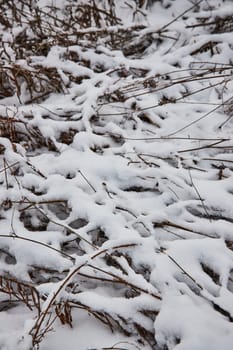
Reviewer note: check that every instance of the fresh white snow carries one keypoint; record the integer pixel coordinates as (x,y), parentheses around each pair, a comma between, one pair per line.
(116,203)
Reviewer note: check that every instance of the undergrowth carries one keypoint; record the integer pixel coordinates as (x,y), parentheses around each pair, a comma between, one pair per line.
(73,78)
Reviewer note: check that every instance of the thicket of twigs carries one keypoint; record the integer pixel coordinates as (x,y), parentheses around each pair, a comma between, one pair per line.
(52,51)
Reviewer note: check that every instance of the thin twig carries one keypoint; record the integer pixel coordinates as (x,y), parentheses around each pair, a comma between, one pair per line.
(40,243)
(87,181)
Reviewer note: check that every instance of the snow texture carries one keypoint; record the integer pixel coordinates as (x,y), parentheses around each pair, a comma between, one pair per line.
(116,175)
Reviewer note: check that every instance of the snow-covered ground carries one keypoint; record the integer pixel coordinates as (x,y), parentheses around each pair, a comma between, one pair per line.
(116,176)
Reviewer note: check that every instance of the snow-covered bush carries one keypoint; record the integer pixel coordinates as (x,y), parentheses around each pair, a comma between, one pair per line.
(116,175)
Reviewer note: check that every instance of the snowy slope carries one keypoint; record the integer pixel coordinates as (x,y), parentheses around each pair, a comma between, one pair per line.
(116,175)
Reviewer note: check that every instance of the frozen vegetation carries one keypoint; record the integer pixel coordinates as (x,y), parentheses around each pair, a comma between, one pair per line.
(116,205)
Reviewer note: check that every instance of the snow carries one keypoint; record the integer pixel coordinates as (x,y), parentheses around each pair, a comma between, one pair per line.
(116,175)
